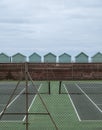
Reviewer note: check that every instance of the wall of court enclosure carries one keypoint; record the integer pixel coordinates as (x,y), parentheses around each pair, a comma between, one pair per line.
(52,71)
(50,58)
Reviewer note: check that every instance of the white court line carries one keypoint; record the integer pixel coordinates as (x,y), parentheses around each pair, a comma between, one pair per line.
(14,99)
(72,104)
(11,121)
(99,104)
(34,98)
(89,98)
(32,103)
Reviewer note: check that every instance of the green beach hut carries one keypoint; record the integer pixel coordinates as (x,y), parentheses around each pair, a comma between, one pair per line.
(50,58)
(4,58)
(81,58)
(64,58)
(35,58)
(97,57)
(18,58)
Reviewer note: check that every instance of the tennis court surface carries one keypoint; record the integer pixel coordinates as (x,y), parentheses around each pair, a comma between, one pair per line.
(86,99)
(77,107)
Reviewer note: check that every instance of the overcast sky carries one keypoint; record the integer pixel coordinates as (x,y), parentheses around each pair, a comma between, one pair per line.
(56,26)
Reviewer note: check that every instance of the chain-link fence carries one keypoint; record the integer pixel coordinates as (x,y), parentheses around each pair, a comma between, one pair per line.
(54,103)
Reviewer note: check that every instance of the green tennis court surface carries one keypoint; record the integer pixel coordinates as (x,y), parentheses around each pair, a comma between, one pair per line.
(78,109)
(86,99)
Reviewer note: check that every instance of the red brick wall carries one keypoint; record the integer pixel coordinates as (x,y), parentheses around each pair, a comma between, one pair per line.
(52,71)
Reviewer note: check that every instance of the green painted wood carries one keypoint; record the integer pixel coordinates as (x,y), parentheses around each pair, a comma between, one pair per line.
(64,58)
(81,58)
(97,57)
(18,58)
(35,58)
(50,58)
(4,58)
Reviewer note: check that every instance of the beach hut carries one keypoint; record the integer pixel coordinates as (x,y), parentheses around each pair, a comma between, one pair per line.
(35,58)
(64,58)
(97,57)
(18,58)
(50,58)
(4,58)
(81,58)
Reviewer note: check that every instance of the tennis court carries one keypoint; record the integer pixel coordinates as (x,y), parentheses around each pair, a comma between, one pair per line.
(78,107)
(86,99)
(18,101)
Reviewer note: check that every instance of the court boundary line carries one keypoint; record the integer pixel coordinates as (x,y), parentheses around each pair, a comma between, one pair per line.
(11,121)
(99,104)
(88,98)
(32,102)
(76,109)
(19,121)
(91,121)
(72,104)
(14,100)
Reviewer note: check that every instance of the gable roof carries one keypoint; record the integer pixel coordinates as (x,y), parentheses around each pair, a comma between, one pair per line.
(64,54)
(18,54)
(50,54)
(82,53)
(4,55)
(98,53)
(34,55)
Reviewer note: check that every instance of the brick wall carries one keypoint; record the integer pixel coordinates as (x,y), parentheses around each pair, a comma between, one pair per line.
(51,71)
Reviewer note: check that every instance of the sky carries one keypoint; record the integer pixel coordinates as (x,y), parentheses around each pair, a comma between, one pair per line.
(57,26)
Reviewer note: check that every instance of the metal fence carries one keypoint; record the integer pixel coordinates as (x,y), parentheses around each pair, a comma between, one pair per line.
(51,96)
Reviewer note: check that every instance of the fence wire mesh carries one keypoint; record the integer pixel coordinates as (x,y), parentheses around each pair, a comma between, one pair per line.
(52,104)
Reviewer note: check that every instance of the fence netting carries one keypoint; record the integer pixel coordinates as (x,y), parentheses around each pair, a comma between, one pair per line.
(51,101)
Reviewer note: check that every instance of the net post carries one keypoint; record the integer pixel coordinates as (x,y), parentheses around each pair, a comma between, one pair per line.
(60,83)
(43,103)
(26,87)
(49,86)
